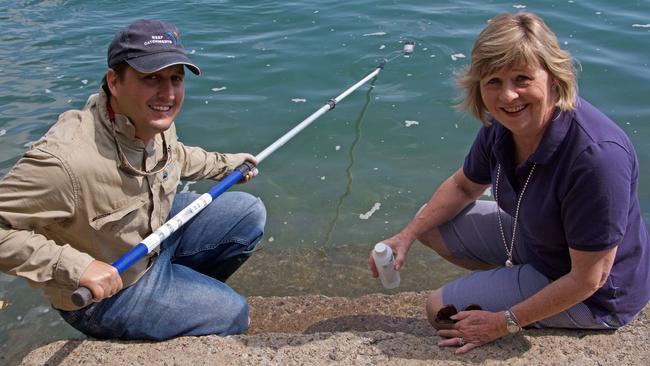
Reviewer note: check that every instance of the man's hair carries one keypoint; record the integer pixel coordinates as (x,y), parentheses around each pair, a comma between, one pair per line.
(120,70)
(515,40)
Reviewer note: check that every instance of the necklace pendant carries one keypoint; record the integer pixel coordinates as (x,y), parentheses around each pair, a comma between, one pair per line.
(509,263)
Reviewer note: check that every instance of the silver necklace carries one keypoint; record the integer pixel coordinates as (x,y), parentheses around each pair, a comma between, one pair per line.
(514,225)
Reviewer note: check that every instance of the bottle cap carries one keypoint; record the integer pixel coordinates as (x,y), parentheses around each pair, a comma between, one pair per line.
(381,249)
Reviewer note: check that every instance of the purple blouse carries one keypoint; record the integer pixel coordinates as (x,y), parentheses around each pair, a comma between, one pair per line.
(582,195)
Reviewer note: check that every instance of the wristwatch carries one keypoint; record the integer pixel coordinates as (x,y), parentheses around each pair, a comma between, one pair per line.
(511,322)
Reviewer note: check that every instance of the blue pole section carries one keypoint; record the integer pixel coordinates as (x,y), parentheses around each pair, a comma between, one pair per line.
(132,256)
(225,183)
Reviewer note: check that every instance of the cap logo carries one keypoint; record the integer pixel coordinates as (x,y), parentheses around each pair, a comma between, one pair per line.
(170,38)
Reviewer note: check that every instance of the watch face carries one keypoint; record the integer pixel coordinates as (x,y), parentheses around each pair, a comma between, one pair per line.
(511,324)
(512,328)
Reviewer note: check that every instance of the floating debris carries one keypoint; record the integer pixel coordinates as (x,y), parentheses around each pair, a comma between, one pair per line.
(408,123)
(375,34)
(299,100)
(456,56)
(374,209)
(186,188)
(337,148)
(219,89)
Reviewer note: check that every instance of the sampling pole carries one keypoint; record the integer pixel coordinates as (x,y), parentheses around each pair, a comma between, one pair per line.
(82,296)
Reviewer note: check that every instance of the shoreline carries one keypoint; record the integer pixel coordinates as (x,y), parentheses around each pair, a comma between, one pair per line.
(374,329)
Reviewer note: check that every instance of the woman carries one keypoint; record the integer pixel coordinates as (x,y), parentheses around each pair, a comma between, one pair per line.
(564,245)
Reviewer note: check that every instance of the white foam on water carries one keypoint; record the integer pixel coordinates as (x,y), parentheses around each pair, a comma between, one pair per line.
(60,76)
(322,178)
(456,56)
(375,34)
(48,91)
(29,143)
(382,46)
(337,148)
(374,209)
(519,6)
(84,81)
(408,123)
(271,239)
(186,188)
(219,89)
(230,56)
(3,132)
(641,25)
(299,100)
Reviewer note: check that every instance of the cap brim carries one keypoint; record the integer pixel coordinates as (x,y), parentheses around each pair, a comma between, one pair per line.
(158,61)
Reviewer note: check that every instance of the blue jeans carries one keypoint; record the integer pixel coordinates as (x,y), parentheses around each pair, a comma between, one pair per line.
(183,293)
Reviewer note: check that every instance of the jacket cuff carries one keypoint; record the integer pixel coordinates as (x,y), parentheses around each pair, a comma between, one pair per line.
(232,161)
(71,264)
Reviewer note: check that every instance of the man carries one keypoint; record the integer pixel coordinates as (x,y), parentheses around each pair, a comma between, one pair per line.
(105,177)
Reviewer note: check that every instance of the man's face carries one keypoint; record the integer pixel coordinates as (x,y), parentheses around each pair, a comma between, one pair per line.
(150,101)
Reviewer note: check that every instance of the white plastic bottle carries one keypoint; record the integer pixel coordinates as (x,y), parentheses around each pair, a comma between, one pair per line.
(385,262)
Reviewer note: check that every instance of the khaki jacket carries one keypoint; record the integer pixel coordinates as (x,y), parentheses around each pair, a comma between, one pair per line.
(68,201)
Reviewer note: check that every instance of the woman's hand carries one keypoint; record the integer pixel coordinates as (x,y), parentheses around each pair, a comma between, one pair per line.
(400,245)
(473,329)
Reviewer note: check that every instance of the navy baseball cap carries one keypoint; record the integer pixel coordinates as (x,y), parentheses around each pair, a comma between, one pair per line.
(149,46)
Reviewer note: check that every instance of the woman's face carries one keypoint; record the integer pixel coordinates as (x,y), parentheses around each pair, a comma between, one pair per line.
(521,98)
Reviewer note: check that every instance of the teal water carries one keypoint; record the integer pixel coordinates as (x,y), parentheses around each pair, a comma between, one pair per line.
(359,172)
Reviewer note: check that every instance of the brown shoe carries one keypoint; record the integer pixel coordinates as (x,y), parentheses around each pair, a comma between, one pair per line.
(443,318)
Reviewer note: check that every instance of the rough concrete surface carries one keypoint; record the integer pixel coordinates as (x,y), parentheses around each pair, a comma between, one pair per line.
(373,329)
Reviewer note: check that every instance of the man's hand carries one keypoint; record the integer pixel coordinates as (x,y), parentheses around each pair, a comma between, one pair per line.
(248,157)
(101,279)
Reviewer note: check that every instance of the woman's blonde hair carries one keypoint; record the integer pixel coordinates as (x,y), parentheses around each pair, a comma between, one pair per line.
(514,40)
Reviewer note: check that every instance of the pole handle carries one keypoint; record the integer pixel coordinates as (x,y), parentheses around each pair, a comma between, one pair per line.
(245,167)
(82,296)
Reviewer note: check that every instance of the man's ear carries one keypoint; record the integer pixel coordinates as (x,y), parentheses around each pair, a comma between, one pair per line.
(111,80)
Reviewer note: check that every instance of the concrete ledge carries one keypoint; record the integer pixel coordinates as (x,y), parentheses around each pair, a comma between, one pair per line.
(368,330)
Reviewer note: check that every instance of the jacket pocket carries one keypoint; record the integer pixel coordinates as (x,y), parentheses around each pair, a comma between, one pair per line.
(100,220)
